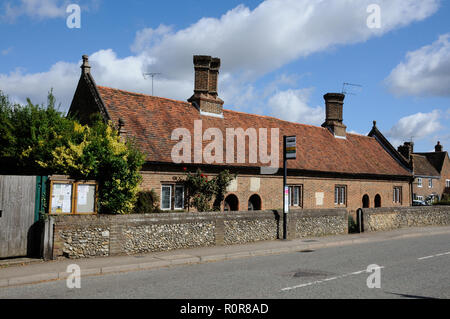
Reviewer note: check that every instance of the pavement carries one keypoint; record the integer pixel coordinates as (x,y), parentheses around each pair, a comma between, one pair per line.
(28,271)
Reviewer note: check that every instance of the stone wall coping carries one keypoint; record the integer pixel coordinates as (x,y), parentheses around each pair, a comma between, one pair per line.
(99,220)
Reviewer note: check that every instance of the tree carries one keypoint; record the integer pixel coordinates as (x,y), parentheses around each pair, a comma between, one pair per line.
(40,140)
(30,133)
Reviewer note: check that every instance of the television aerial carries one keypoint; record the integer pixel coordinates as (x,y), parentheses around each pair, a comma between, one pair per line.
(152,75)
(346,86)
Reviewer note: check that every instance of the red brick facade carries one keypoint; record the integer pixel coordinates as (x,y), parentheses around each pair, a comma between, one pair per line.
(317,192)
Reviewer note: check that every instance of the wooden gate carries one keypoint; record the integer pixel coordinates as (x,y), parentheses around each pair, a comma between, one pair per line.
(17,214)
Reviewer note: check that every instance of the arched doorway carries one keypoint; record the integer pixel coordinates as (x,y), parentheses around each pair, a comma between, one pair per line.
(378,200)
(254,203)
(365,201)
(231,203)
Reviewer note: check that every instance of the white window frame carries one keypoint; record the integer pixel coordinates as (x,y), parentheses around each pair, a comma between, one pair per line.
(430,183)
(419,182)
(397,198)
(295,202)
(182,198)
(340,195)
(447,183)
(170,196)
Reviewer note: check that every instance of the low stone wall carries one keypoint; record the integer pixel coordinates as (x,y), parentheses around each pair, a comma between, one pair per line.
(108,235)
(317,223)
(383,219)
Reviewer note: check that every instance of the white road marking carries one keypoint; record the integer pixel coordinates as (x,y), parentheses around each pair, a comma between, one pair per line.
(433,256)
(326,280)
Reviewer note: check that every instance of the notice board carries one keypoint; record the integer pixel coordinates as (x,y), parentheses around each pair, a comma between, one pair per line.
(72,197)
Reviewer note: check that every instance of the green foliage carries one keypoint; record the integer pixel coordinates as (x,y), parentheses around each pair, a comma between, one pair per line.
(30,133)
(147,203)
(445,200)
(352,226)
(200,190)
(41,140)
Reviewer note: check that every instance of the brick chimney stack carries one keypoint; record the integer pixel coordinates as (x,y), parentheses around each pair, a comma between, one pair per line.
(205,97)
(334,104)
(406,150)
(438,147)
(214,76)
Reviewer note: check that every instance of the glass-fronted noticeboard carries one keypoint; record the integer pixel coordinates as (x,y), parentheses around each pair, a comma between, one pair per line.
(72,197)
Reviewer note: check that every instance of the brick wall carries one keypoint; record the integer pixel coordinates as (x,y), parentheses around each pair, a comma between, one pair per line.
(270,190)
(445,175)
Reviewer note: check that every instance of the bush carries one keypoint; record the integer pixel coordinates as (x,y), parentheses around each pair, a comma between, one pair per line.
(41,140)
(445,200)
(147,203)
(352,226)
(30,133)
(200,190)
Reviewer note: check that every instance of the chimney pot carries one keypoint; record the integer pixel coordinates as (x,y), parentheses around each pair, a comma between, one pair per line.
(85,67)
(407,149)
(214,76)
(438,147)
(205,88)
(334,104)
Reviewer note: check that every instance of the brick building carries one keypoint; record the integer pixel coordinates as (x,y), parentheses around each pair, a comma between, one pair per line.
(431,172)
(333,169)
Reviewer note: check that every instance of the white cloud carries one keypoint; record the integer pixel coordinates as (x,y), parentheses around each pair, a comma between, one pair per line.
(251,43)
(43,9)
(36,8)
(292,105)
(7,51)
(426,72)
(107,69)
(417,126)
(275,33)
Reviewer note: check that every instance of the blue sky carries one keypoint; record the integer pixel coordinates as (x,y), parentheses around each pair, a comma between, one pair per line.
(278,57)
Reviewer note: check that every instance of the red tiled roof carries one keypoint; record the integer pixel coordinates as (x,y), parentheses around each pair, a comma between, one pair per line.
(151,120)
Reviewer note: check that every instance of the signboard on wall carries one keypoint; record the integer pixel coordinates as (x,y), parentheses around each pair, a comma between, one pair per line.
(71,197)
(61,198)
(85,198)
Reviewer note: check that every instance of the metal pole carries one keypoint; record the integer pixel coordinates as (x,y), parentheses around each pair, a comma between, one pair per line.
(284,190)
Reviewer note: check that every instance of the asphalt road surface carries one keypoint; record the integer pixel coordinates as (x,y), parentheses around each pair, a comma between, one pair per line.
(409,268)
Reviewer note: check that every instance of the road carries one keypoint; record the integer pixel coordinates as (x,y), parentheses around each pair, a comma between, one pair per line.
(411,268)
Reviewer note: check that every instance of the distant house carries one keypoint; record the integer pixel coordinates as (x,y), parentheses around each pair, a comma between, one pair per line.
(431,172)
(333,169)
